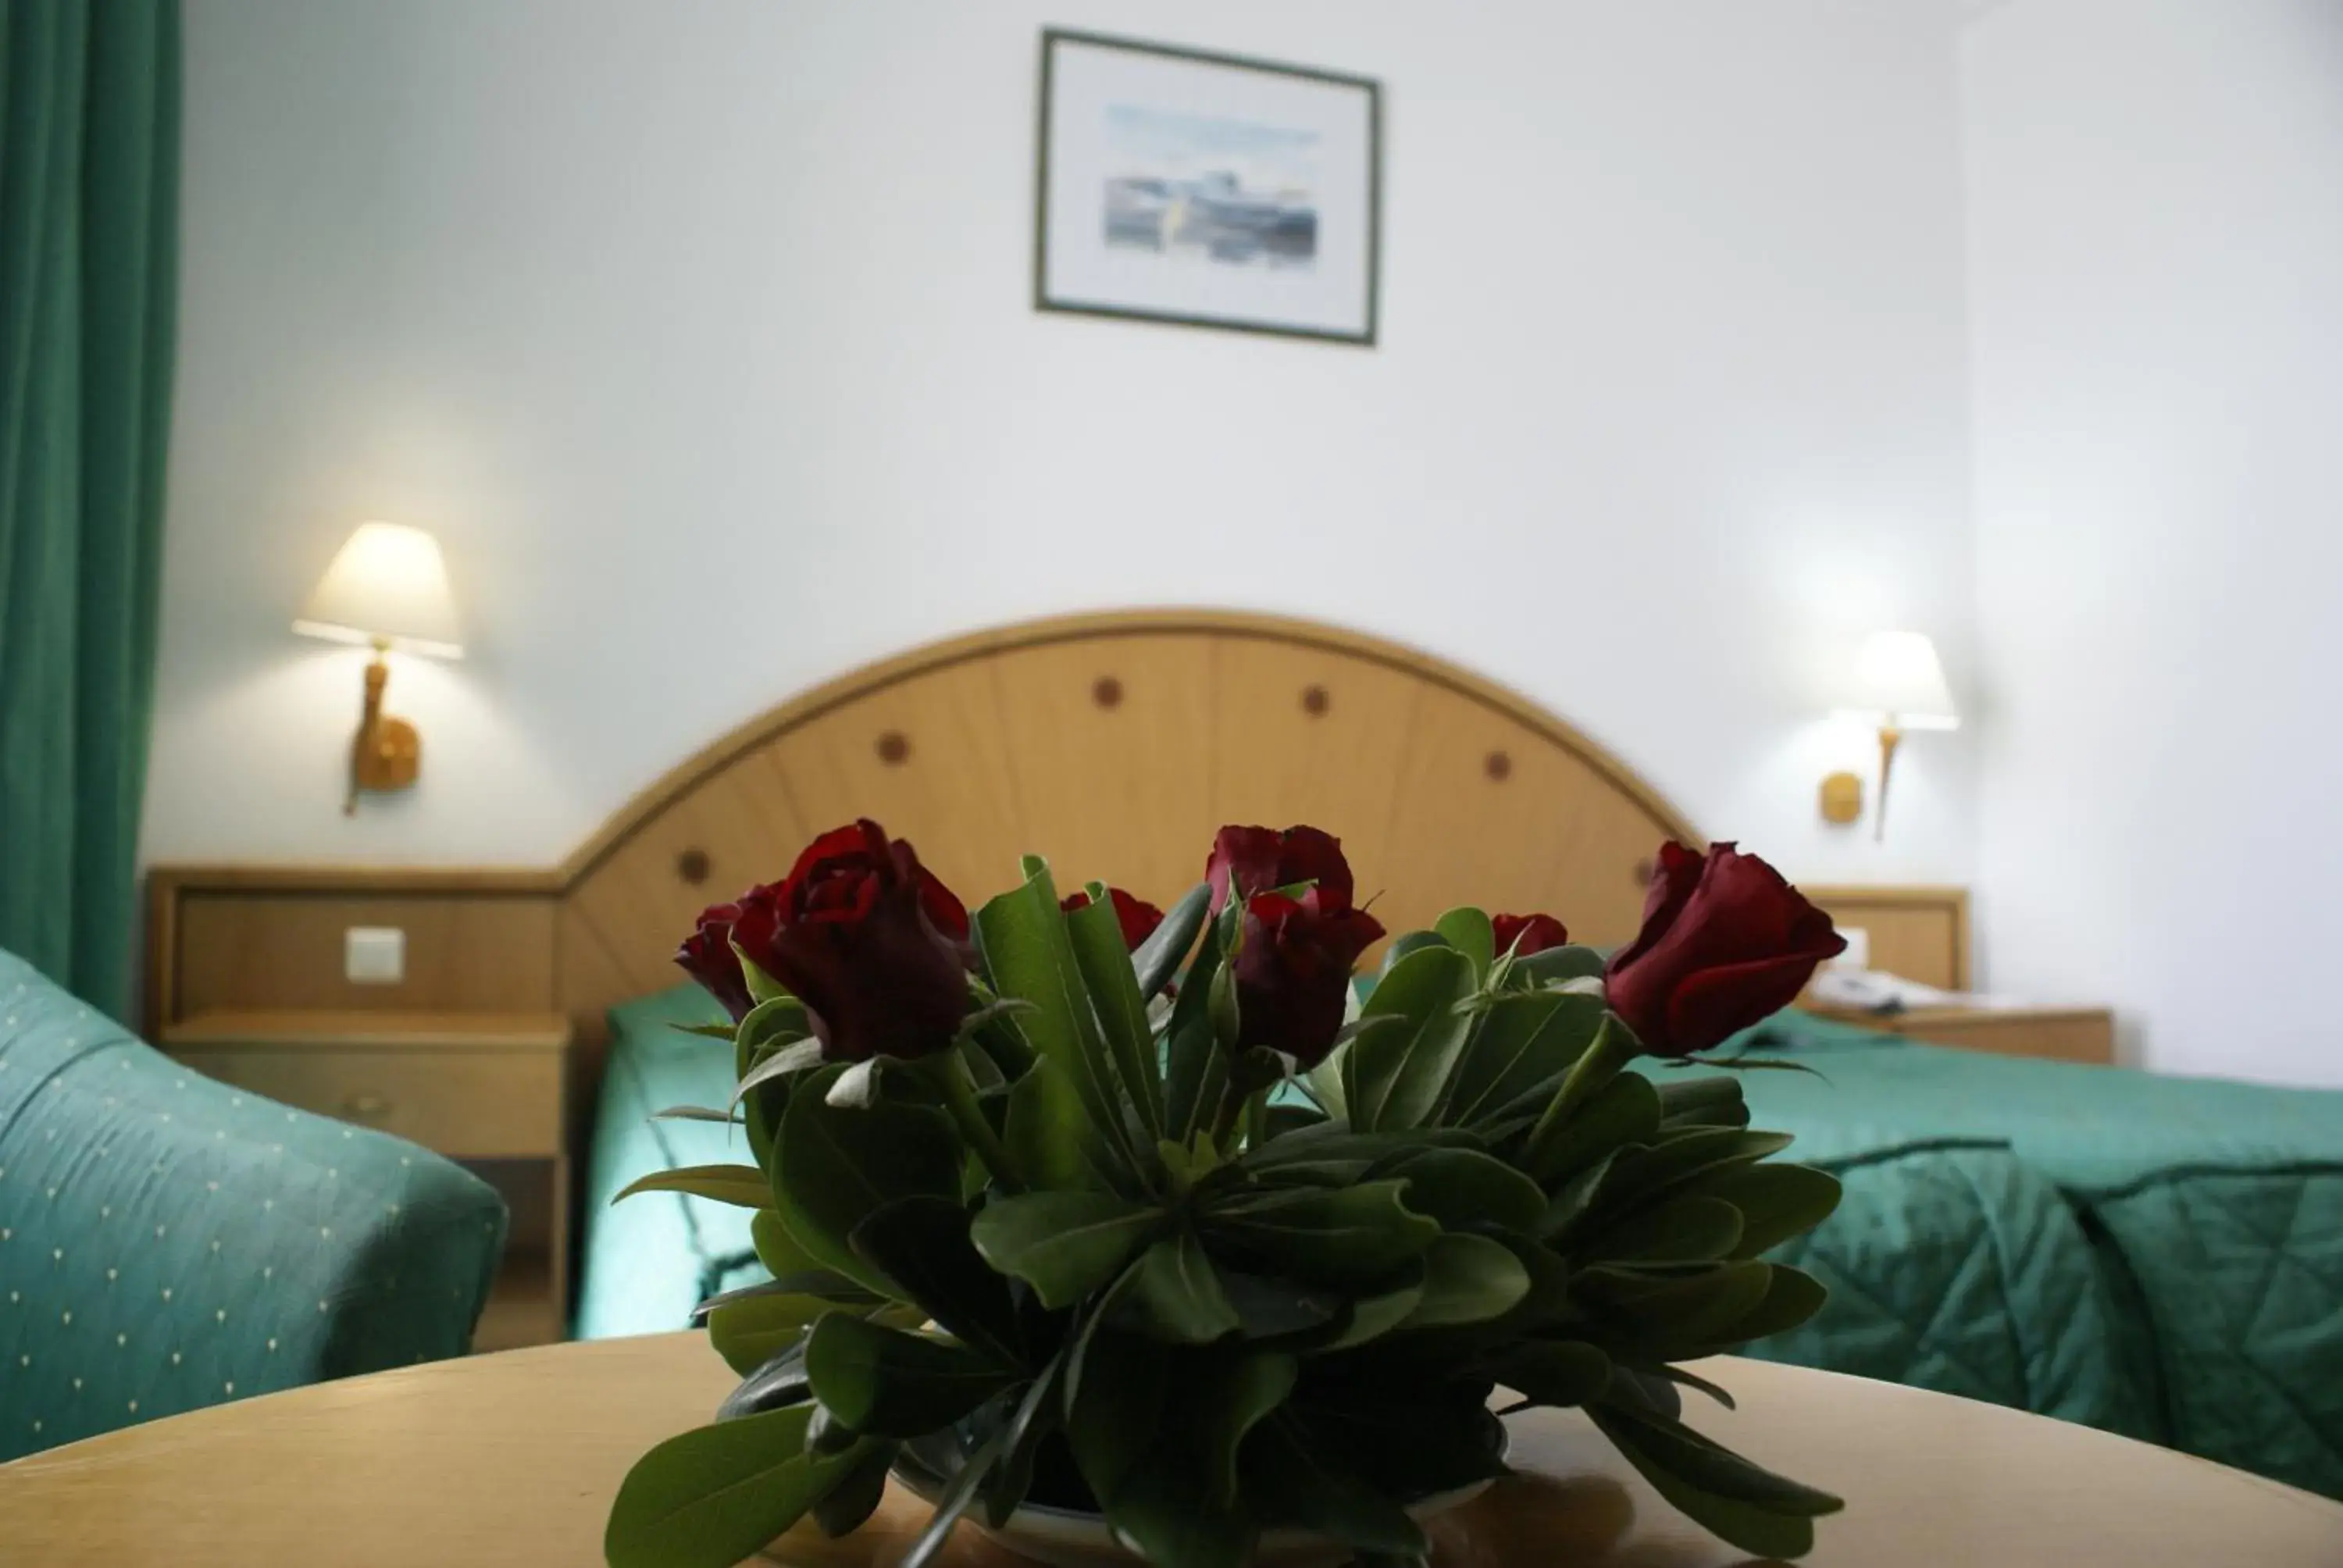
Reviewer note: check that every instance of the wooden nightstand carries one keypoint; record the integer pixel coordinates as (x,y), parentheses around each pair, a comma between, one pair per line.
(488,1089)
(2085,1034)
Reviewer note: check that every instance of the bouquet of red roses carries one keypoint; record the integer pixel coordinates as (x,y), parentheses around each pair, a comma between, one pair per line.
(1152,1217)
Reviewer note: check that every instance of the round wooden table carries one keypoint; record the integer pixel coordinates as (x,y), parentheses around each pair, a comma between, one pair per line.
(510,1460)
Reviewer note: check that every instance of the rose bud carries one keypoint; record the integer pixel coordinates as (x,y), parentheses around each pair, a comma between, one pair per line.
(1262,859)
(1293,970)
(867,939)
(1725,943)
(1522,935)
(707,956)
(1137,917)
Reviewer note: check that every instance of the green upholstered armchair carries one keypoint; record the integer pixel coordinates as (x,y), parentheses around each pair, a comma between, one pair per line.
(168,1242)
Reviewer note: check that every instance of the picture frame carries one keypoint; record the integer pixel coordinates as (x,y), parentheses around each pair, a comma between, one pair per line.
(1199,189)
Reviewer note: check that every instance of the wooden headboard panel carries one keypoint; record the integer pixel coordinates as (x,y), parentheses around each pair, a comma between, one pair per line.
(1115,744)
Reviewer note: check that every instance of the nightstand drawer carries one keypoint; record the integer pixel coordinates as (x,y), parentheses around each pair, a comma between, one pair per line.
(468,1104)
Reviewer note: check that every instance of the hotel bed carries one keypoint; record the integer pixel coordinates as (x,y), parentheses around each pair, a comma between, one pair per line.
(2160,1258)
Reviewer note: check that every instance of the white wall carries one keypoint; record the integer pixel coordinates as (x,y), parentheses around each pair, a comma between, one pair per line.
(2155,192)
(701,336)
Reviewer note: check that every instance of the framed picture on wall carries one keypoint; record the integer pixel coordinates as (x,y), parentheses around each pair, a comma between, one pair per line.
(1206,189)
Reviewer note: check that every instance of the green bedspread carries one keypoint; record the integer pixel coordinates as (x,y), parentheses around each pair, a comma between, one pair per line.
(2214,1211)
(2159,1257)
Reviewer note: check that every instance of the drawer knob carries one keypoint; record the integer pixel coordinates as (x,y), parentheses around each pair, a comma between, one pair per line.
(366,1108)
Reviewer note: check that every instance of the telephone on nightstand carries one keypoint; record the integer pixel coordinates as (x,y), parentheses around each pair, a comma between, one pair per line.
(1874,991)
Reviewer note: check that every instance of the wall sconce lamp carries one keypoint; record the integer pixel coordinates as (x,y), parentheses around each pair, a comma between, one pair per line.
(387,588)
(1898,684)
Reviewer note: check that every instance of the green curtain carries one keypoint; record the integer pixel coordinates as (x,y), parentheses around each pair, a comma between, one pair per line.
(89,174)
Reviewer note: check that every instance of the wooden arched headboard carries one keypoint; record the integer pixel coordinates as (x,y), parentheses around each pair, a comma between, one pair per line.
(1115,745)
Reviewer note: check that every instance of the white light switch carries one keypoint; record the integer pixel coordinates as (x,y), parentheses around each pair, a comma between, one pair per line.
(1858,949)
(374,955)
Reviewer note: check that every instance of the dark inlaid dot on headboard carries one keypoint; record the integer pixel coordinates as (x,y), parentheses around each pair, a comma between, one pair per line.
(1316,701)
(1644,873)
(894,747)
(1106,691)
(1497,766)
(692,866)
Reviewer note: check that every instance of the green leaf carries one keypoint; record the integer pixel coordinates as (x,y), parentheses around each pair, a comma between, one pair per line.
(749,1333)
(763,987)
(1165,1510)
(1394,1076)
(712,1496)
(1270,1309)
(1660,1317)
(889,1383)
(1792,1296)
(1463,1188)
(1096,936)
(1116,1386)
(1694,1381)
(1330,1154)
(1681,1156)
(1561,1373)
(1470,932)
(1403,945)
(774,1384)
(1178,1295)
(797,1056)
(776,1022)
(922,1244)
(1029,955)
(1064,1244)
(1681,1230)
(743,1186)
(829,1286)
(1191,1053)
(1622,1112)
(1776,1202)
(696,1113)
(1325,1082)
(1046,1131)
(1745,1506)
(1226,1398)
(1547,1156)
(780,1252)
(1292,1481)
(1347,1235)
(1407,1444)
(724,1031)
(857,1495)
(1524,1040)
(1559,966)
(1715,1101)
(1467,1279)
(1037,1415)
(958,1493)
(1575,1199)
(1158,958)
(834,1168)
(1375,1315)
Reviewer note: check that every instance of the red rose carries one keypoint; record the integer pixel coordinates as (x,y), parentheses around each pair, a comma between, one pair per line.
(863,934)
(1259,860)
(1522,935)
(1726,942)
(1293,970)
(1137,917)
(707,956)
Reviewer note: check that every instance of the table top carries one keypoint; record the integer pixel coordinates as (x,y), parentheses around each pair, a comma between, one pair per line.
(511,1460)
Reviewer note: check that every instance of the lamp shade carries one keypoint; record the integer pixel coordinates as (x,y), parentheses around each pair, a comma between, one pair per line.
(387,585)
(1897,679)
